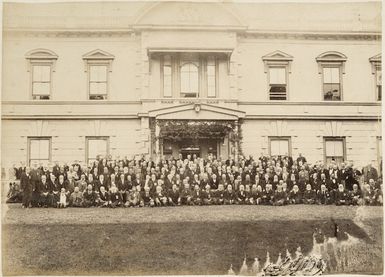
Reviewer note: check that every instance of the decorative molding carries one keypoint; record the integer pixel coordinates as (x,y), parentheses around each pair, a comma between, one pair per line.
(331,58)
(376,62)
(321,103)
(66,102)
(277,58)
(41,54)
(72,116)
(306,35)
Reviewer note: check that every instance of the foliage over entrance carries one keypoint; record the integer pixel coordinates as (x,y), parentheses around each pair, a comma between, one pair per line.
(179,129)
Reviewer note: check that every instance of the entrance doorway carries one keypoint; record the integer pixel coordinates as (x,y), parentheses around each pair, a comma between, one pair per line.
(198,147)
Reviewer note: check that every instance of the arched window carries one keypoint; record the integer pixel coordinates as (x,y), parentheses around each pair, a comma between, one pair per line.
(331,65)
(189,80)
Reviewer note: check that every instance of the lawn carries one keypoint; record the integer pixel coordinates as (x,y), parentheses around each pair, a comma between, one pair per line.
(177,240)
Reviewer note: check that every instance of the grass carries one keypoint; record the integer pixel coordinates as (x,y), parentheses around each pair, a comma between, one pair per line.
(175,240)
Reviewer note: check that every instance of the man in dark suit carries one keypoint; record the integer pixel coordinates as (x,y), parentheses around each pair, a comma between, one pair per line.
(27,187)
(45,192)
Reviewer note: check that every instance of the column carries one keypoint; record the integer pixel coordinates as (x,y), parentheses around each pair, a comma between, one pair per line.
(157,143)
(236,141)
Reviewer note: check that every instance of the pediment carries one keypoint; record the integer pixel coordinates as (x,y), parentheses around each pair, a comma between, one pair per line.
(188,13)
(98,54)
(331,56)
(278,55)
(197,112)
(41,54)
(376,58)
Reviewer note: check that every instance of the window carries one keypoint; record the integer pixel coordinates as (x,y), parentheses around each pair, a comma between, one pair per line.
(377,71)
(277,65)
(39,150)
(331,65)
(98,65)
(41,82)
(41,65)
(379,152)
(98,82)
(189,80)
(280,146)
(167,76)
(334,149)
(96,147)
(277,80)
(379,84)
(211,77)
(331,83)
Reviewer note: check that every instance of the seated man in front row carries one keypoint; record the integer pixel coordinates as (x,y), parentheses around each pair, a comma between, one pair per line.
(197,195)
(219,195)
(115,198)
(280,197)
(230,196)
(242,195)
(76,198)
(342,196)
(146,198)
(309,195)
(90,197)
(323,196)
(173,195)
(133,197)
(295,196)
(207,196)
(185,197)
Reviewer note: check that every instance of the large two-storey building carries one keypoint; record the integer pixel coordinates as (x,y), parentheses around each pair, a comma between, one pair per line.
(170,78)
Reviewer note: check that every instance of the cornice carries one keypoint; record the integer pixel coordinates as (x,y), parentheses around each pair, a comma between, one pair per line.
(315,117)
(321,103)
(72,103)
(306,35)
(242,32)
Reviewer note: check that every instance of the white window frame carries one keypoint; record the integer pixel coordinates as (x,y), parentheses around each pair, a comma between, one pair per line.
(216,72)
(286,138)
(196,63)
(41,57)
(163,65)
(105,138)
(29,139)
(334,138)
(331,59)
(98,58)
(376,66)
(277,59)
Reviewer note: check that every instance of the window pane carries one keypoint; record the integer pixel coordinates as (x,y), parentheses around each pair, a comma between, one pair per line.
(41,73)
(97,147)
(41,88)
(189,79)
(379,77)
(331,75)
(277,75)
(334,148)
(167,81)
(98,73)
(98,88)
(211,79)
(279,147)
(332,92)
(39,149)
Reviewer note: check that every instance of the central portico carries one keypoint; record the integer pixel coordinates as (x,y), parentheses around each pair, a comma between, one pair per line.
(195,129)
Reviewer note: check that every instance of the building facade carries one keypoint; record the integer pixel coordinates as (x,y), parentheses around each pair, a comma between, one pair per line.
(169,78)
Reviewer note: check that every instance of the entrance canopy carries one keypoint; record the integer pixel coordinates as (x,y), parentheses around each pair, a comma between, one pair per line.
(177,130)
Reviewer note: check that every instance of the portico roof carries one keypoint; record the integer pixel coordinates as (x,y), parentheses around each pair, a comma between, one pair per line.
(197,111)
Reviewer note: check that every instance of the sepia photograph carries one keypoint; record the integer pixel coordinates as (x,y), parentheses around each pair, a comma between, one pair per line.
(191,137)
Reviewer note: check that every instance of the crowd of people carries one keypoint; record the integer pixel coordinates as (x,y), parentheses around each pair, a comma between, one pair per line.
(278,181)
